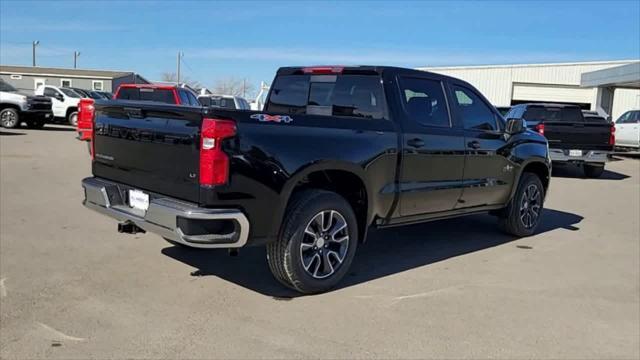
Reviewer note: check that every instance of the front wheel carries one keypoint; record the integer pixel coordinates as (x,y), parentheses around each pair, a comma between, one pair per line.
(73,118)
(522,215)
(9,118)
(317,242)
(593,171)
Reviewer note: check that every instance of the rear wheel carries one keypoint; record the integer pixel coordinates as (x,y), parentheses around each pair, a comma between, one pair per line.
(73,118)
(9,118)
(317,242)
(522,216)
(593,171)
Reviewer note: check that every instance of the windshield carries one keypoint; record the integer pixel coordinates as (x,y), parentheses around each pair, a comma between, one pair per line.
(6,87)
(70,93)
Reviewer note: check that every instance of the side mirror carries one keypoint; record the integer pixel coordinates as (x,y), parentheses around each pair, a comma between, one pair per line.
(60,97)
(515,126)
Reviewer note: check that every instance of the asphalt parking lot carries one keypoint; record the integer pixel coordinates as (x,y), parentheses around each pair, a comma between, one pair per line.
(72,287)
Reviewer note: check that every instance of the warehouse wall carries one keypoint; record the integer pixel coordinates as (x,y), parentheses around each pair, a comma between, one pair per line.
(555,82)
(27,82)
(625,100)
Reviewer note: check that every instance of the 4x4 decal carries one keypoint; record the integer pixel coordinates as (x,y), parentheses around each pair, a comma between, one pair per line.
(272,118)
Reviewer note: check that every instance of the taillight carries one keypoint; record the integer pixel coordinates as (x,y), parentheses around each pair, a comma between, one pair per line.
(323,70)
(540,129)
(612,135)
(86,114)
(214,163)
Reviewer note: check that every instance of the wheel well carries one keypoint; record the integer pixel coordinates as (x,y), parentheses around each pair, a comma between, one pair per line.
(344,183)
(541,170)
(70,110)
(13,106)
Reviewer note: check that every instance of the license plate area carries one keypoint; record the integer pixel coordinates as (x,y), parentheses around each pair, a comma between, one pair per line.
(575,152)
(138,200)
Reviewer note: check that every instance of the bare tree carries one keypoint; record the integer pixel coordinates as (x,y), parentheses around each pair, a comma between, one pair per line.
(173,78)
(234,86)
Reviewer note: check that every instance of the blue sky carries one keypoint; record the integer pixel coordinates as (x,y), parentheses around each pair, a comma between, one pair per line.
(252,39)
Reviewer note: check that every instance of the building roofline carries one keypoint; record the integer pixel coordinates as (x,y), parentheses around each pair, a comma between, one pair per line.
(613,62)
(57,71)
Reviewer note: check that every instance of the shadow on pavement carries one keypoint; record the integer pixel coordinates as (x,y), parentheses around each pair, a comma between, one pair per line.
(4,133)
(576,172)
(387,252)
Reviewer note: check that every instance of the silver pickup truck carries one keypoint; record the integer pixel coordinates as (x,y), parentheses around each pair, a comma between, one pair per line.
(16,108)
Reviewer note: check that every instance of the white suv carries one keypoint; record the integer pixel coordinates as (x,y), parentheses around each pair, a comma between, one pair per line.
(64,102)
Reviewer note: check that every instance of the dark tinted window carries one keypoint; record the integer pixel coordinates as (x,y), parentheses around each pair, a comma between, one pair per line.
(192,99)
(70,93)
(475,113)
(6,87)
(629,117)
(50,92)
(343,95)
(147,94)
(184,99)
(289,94)
(424,101)
(548,113)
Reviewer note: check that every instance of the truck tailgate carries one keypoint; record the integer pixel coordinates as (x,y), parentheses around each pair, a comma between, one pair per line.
(577,135)
(150,146)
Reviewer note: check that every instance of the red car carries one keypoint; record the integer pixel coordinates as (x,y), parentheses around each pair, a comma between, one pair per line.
(169,94)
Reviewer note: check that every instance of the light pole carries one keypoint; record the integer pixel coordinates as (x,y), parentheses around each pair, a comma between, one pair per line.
(76,54)
(180,55)
(35,43)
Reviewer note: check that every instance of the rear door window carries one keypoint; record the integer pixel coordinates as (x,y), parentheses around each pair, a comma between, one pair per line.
(424,102)
(329,95)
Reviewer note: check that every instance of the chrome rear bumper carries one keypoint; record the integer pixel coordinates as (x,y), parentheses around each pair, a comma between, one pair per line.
(164,216)
(587,156)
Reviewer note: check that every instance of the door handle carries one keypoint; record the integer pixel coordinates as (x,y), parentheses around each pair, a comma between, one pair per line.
(474,144)
(416,143)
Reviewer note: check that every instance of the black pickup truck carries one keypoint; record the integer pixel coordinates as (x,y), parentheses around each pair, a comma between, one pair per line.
(336,151)
(573,138)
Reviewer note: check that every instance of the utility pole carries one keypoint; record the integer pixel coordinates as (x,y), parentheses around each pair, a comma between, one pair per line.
(76,54)
(34,44)
(180,55)
(244,88)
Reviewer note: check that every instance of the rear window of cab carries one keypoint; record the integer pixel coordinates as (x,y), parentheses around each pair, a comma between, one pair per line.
(328,95)
(146,94)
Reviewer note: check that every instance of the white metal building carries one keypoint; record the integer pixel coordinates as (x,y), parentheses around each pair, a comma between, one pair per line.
(506,85)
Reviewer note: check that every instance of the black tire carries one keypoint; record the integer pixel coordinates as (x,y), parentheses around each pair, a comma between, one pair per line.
(513,222)
(72,118)
(9,118)
(593,171)
(35,124)
(285,255)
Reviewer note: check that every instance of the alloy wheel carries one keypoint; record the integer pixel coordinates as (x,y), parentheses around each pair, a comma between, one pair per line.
(324,244)
(8,119)
(530,206)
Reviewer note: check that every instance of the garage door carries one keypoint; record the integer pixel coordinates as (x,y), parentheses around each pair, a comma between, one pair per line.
(552,93)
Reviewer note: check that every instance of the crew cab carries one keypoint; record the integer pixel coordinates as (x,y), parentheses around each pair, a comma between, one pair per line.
(64,102)
(168,94)
(16,108)
(336,151)
(572,138)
